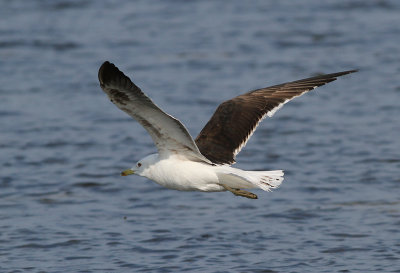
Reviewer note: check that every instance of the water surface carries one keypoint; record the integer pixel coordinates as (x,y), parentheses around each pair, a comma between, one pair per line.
(64,207)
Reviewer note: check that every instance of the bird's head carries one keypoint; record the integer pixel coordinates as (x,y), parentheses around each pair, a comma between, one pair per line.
(141,167)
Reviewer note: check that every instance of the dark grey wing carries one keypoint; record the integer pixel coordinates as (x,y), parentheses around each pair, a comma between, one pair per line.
(235,120)
(168,133)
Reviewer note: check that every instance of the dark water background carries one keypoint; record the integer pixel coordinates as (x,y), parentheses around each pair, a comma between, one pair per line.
(63,205)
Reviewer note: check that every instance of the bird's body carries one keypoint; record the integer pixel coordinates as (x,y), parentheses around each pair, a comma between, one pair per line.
(178,173)
(204,164)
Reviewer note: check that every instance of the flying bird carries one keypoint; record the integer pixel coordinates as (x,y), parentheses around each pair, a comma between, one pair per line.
(204,164)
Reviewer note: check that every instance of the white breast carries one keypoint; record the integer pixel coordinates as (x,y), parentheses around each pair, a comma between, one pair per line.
(177,173)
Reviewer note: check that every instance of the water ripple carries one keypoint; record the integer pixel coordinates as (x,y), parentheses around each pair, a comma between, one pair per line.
(52,245)
(64,206)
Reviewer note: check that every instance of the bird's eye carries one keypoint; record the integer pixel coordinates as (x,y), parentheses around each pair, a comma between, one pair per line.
(139,165)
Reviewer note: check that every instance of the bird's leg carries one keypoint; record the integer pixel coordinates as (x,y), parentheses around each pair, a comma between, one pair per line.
(239,192)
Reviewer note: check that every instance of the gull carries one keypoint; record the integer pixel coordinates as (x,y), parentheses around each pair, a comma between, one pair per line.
(204,164)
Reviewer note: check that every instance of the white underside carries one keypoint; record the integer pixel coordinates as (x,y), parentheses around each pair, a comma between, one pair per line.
(178,173)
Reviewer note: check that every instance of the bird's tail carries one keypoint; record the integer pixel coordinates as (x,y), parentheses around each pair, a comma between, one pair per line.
(240,179)
(266,180)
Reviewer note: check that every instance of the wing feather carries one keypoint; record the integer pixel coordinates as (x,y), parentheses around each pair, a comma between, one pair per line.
(235,120)
(167,132)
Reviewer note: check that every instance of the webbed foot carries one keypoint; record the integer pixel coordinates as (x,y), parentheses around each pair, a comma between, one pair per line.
(239,192)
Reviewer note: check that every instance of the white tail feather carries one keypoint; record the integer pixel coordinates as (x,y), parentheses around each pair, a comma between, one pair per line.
(240,179)
(266,180)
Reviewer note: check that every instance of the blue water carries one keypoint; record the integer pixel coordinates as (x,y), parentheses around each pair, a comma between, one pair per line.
(63,205)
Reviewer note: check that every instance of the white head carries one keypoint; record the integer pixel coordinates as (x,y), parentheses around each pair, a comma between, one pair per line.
(142,167)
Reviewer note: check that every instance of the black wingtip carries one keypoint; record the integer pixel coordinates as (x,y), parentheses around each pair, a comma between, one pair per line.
(348,72)
(334,76)
(110,74)
(338,74)
(107,72)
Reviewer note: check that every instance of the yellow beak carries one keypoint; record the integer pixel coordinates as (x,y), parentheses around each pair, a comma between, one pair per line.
(127,172)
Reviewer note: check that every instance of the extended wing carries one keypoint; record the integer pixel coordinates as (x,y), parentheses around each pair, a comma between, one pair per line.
(168,133)
(235,120)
